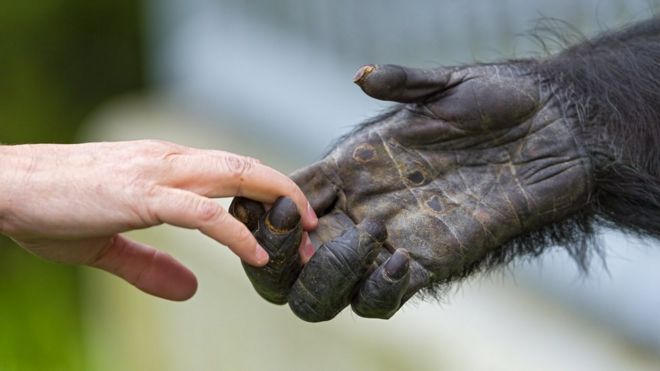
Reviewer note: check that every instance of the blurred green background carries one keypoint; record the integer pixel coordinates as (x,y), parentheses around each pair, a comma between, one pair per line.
(59,60)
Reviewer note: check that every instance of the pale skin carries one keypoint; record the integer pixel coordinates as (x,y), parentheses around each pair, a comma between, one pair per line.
(70,204)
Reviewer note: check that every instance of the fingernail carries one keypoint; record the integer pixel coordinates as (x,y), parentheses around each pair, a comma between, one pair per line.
(362,73)
(398,264)
(311,214)
(308,248)
(261,255)
(247,211)
(283,216)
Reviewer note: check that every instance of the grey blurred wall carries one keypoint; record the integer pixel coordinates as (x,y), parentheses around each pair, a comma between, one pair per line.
(283,69)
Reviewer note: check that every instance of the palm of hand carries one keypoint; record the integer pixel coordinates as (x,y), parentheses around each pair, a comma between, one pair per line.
(476,156)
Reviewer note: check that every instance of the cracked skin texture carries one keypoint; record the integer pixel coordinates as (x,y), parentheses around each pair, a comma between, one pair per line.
(472,157)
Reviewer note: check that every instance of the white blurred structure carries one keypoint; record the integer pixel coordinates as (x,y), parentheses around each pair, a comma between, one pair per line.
(272,79)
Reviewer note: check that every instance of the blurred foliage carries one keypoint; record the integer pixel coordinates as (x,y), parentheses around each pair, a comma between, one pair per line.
(59,59)
(39,315)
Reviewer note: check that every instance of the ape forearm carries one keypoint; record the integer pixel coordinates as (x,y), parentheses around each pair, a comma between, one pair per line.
(476,166)
(612,85)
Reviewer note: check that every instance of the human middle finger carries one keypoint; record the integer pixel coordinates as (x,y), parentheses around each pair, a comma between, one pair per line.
(222,174)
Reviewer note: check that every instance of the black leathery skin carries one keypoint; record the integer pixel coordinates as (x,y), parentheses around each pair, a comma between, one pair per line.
(460,172)
(381,293)
(482,164)
(328,280)
(279,232)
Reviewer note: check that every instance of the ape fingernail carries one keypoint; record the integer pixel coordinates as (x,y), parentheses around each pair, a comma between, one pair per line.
(247,211)
(362,73)
(283,216)
(397,265)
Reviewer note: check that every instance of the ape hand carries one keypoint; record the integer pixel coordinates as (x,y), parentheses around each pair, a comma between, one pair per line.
(474,157)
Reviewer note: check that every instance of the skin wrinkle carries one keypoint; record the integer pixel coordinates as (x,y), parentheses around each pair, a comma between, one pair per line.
(433,116)
(511,158)
(514,174)
(428,111)
(524,141)
(466,186)
(481,201)
(514,210)
(550,175)
(309,293)
(398,167)
(582,155)
(95,259)
(484,123)
(339,260)
(485,229)
(430,146)
(451,230)
(239,168)
(137,281)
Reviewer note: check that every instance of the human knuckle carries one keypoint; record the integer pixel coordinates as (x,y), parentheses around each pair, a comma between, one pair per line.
(158,150)
(156,144)
(209,211)
(154,159)
(238,166)
(137,188)
(145,200)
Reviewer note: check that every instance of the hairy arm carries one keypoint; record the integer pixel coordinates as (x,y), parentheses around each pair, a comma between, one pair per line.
(612,85)
(476,166)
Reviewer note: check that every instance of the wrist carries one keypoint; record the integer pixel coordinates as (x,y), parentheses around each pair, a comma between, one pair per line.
(609,87)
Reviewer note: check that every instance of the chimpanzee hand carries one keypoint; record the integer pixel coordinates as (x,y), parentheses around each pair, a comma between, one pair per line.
(474,157)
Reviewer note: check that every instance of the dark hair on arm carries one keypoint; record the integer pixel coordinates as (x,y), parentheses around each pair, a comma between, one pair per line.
(613,83)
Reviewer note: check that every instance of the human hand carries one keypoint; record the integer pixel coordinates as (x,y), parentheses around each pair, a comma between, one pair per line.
(68,203)
(474,157)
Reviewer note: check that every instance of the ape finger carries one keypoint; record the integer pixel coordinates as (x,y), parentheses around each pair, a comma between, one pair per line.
(401,84)
(279,232)
(380,295)
(247,211)
(327,282)
(314,183)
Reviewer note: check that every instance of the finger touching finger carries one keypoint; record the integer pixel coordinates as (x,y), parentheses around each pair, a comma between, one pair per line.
(150,270)
(279,232)
(306,249)
(326,283)
(220,174)
(190,210)
(381,293)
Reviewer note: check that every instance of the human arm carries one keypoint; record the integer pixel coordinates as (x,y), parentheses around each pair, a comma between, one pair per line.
(69,203)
